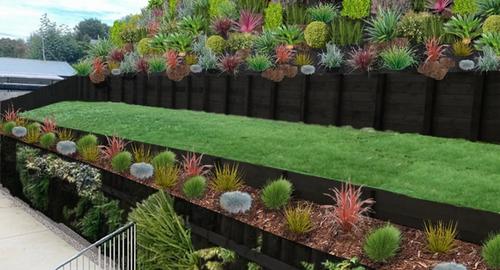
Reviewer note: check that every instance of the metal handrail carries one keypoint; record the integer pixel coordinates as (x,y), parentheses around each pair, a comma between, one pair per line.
(113,249)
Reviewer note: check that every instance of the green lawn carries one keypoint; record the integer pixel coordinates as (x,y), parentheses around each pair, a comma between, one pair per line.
(444,170)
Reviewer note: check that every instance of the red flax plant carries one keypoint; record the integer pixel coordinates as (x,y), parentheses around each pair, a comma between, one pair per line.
(99,71)
(191,166)
(249,22)
(349,207)
(283,55)
(435,66)
(362,58)
(176,70)
(114,146)
(229,63)
(49,125)
(11,114)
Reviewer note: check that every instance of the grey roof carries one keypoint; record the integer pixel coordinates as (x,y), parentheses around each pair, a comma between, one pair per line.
(30,68)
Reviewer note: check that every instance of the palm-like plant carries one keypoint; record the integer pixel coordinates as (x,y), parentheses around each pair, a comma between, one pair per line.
(382,28)
(181,42)
(464,27)
(192,24)
(290,35)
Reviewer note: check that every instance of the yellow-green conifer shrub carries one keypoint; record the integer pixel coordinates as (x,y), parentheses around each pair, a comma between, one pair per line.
(316,34)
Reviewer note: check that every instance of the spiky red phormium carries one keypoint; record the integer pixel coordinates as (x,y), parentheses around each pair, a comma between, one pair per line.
(142,65)
(362,58)
(191,166)
(117,55)
(434,50)
(11,114)
(283,54)
(172,59)
(229,64)
(249,22)
(49,125)
(114,146)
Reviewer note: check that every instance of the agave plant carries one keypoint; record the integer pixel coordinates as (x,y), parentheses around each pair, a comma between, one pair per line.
(382,28)
(464,27)
(290,35)
(439,6)
(249,22)
(489,39)
(181,42)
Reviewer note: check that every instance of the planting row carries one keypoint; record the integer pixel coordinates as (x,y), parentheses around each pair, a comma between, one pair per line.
(341,229)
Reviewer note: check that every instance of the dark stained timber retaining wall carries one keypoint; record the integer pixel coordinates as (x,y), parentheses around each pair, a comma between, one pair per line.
(463,105)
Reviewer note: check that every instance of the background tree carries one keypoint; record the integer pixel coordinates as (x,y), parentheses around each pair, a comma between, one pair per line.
(89,29)
(12,48)
(53,42)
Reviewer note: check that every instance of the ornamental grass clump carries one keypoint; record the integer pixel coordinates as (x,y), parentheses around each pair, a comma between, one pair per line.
(114,146)
(65,134)
(33,133)
(277,194)
(259,63)
(298,219)
(8,127)
(323,12)
(235,202)
(488,61)
(398,58)
(440,236)
(66,148)
(362,59)
(382,244)
(48,140)
(227,178)
(121,161)
(195,187)
(167,177)
(383,27)
(141,153)
(332,58)
(157,65)
(491,252)
(163,159)
(488,7)
(142,170)
(87,141)
(191,166)
(89,153)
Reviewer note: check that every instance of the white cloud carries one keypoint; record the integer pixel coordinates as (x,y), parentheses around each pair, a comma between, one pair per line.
(22,17)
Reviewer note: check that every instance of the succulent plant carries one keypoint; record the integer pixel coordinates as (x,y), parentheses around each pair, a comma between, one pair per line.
(449,266)
(235,202)
(142,170)
(466,65)
(19,131)
(196,68)
(66,147)
(307,69)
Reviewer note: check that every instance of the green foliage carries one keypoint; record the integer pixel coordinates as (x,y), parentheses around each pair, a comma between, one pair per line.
(163,160)
(121,161)
(492,24)
(83,68)
(356,9)
(289,35)
(323,12)
(398,58)
(162,238)
(180,42)
(433,26)
(216,43)
(255,6)
(383,27)
(277,194)
(35,186)
(101,216)
(464,7)
(167,177)
(129,63)
(227,178)
(418,5)
(240,41)
(382,244)
(87,140)
(440,237)
(273,16)
(15,48)
(141,153)
(266,42)
(488,61)
(157,64)
(7,127)
(346,31)
(303,59)
(316,34)
(144,47)
(100,49)
(33,133)
(221,8)
(295,14)
(91,29)
(216,258)
(259,62)
(48,140)
(332,58)
(464,27)
(412,26)
(152,4)
(89,153)
(193,24)
(194,187)
(298,219)
(491,252)
(489,39)
(351,264)
(488,7)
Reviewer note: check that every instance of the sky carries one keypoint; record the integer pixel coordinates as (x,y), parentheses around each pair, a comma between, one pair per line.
(19,18)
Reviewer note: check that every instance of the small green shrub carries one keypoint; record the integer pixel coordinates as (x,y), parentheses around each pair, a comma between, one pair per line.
(356,9)
(48,140)
(7,127)
(277,194)
(346,31)
(266,42)
(383,27)
(144,47)
(316,34)
(398,58)
(240,41)
(464,7)
(89,153)
(121,161)
(491,252)
(290,35)
(322,12)
(86,141)
(157,65)
(167,177)
(298,219)
(273,16)
(227,178)
(382,244)
(194,187)
(83,68)
(412,26)
(489,39)
(492,24)
(440,237)
(488,7)
(163,159)
(259,63)
(488,61)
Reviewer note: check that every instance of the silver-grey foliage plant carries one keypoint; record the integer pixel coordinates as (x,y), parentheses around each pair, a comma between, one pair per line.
(142,170)
(19,132)
(449,266)
(206,58)
(332,58)
(129,63)
(488,61)
(66,147)
(235,202)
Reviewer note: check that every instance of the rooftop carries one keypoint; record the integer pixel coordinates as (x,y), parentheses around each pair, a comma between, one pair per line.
(30,68)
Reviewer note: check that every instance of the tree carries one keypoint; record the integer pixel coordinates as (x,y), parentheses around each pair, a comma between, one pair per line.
(89,29)
(52,42)
(12,48)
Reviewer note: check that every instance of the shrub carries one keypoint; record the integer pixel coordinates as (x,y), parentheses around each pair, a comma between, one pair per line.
(289,35)
(227,178)
(449,266)
(488,7)
(277,194)
(114,146)
(259,63)
(362,59)
(464,7)
(8,127)
(48,140)
(316,34)
(19,132)
(216,43)
(398,58)
(33,133)
(49,125)
(322,12)
(382,244)
(302,59)
(121,161)
(464,27)
(298,219)
(229,63)
(273,15)
(401,5)
(488,61)
(295,14)
(86,141)
(307,69)
(142,170)
(266,42)
(191,166)
(461,49)
(332,58)
(383,27)
(489,39)
(346,31)
(89,153)
(144,47)
(349,207)
(192,24)
(66,148)
(440,237)
(163,159)
(141,153)
(412,24)
(356,9)
(249,22)
(235,202)
(129,63)
(491,252)
(194,187)
(157,65)
(83,68)
(167,177)
(155,217)
(240,41)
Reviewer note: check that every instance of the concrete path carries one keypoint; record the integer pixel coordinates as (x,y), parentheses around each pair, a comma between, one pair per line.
(29,240)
